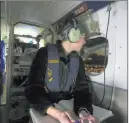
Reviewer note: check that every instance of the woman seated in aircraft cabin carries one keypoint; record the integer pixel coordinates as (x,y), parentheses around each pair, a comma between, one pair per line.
(57,73)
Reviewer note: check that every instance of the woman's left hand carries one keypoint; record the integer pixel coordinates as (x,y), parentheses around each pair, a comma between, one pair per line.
(87,118)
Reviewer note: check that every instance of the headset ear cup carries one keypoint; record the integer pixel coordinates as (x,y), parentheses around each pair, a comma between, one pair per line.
(74,35)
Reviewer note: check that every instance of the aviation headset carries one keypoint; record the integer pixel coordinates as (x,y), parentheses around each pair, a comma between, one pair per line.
(72,31)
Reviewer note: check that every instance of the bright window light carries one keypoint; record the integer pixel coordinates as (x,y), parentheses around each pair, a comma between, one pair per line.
(24,29)
(27,40)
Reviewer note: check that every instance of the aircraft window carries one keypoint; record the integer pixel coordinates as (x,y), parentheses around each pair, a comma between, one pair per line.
(25,29)
(27,40)
(95,55)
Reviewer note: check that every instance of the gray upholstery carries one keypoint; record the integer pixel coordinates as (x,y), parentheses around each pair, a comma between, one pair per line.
(100,113)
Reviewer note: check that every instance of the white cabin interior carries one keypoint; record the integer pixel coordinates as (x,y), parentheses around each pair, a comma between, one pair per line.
(106,61)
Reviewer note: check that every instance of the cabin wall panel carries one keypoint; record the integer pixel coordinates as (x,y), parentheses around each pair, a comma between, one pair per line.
(119,105)
(116,70)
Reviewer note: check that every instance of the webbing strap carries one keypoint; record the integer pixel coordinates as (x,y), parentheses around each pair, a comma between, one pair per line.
(52,78)
(73,70)
(52,74)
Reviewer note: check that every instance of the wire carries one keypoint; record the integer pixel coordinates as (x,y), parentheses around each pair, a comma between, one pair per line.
(113,89)
(109,9)
(23,83)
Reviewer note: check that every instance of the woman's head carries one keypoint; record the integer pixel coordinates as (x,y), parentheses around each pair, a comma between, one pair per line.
(73,36)
(76,46)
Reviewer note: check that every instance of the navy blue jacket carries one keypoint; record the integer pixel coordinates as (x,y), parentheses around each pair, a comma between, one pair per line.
(37,93)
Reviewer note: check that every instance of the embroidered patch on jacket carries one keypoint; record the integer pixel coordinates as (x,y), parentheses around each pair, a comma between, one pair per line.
(49,73)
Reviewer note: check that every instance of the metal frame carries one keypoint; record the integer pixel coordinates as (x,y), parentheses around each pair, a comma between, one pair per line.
(9,74)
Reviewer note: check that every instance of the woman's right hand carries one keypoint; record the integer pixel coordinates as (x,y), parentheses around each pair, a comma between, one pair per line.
(66,117)
(61,116)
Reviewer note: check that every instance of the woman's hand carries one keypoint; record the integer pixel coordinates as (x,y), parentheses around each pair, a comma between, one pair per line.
(66,117)
(61,116)
(87,118)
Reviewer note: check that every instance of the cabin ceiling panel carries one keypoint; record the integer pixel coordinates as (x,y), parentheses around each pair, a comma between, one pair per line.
(42,12)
